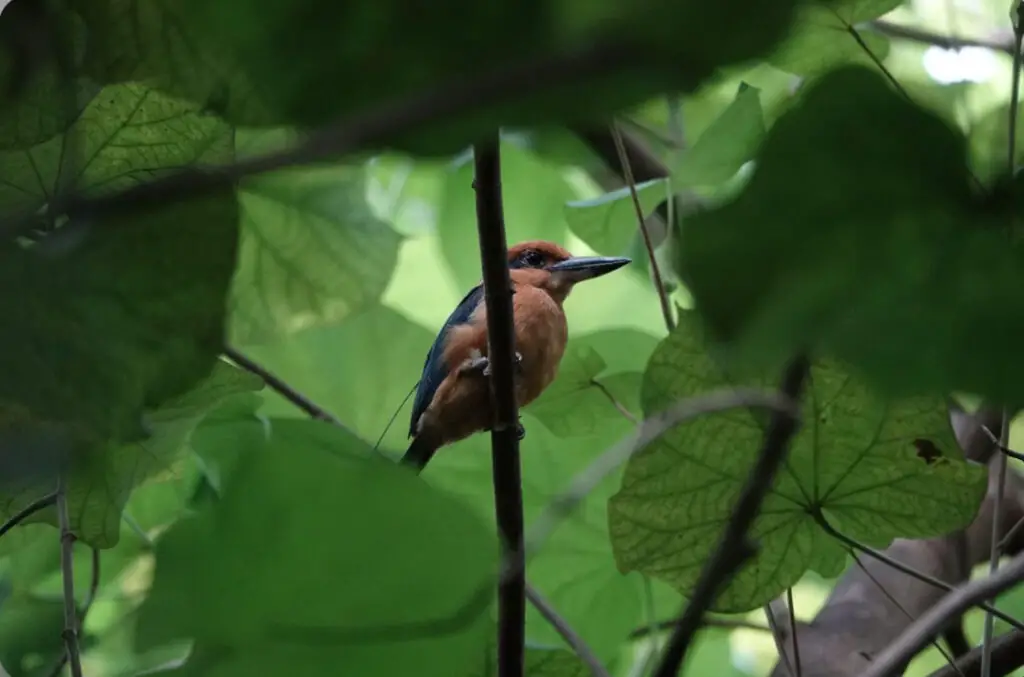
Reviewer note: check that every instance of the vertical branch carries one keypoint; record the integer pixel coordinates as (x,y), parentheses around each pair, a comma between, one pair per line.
(508,490)
(67,542)
(733,547)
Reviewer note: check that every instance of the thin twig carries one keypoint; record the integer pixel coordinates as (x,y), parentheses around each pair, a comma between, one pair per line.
(733,548)
(939,40)
(913,573)
(892,600)
(280,387)
(570,636)
(993,561)
(916,636)
(371,127)
(778,636)
(1007,656)
(508,485)
(793,631)
(67,543)
(627,173)
(626,413)
(29,510)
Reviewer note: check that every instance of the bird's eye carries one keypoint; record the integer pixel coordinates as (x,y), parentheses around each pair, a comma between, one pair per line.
(533,259)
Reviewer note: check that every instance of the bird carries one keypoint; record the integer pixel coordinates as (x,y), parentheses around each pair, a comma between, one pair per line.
(452,398)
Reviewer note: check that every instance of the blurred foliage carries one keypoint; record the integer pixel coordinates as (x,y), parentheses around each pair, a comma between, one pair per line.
(821,206)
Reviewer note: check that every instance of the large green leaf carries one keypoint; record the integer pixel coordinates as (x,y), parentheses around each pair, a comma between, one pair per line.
(608,223)
(825,36)
(871,247)
(155,41)
(38,100)
(29,632)
(537,218)
(873,469)
(97,495)
(111,316)
(215,51)
(575,569)
(725,145)
(311,249)
(339,543)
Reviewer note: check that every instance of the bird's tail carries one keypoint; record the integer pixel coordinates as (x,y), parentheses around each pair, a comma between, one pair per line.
(419,453)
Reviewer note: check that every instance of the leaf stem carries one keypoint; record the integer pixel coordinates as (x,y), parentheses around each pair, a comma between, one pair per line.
(67,542)
(627,173)
(508,486)
(734,548)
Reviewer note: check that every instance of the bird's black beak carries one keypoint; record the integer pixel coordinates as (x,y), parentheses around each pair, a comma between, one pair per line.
(580,268)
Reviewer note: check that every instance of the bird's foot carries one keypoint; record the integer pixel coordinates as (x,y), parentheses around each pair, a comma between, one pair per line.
(482,364)
(520,431)
(517,365)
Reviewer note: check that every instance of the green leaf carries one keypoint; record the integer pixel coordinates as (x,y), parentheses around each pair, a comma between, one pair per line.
(97,496)
(608,223)
(27,625)
(725,145)
(824,37)
(842,231)
(874,469)
(39,101)
(155,41)
(537,218)
(379,351)
(117,315)
(340,542)
(203,49)
(577,402)
(311,250)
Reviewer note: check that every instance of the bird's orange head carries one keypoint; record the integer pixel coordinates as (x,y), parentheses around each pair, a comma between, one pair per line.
(546,265)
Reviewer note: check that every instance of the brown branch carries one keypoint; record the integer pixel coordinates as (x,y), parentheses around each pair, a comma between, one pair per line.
(936,39)
(860,618)
(508,485)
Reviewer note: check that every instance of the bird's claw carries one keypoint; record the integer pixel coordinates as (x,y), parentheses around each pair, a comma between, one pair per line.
(483,364)
(517,364)
(520,431)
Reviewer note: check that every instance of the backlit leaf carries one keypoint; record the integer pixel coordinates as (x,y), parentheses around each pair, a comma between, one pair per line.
(311,251)
(873,469)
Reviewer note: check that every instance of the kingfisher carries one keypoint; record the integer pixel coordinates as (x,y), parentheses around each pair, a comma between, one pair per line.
(453,399)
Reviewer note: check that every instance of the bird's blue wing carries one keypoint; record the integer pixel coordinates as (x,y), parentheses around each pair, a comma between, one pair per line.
(434,369)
